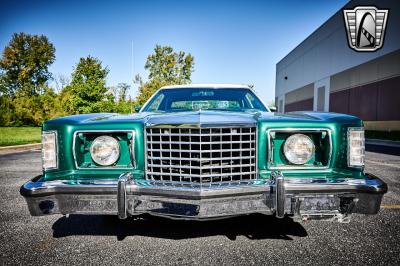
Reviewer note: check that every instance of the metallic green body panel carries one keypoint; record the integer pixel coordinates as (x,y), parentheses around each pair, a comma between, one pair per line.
(336,123)
(66,166)
(84,141)
(338,164)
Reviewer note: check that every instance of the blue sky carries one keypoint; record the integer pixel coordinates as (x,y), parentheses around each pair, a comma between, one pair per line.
(232,41)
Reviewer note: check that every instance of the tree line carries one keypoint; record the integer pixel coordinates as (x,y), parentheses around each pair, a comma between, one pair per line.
(28,98)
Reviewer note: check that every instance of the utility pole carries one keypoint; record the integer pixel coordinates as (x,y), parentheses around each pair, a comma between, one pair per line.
(133,75)
(132,63)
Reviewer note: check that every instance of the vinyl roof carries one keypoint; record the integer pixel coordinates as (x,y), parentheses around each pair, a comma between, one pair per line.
(208,86)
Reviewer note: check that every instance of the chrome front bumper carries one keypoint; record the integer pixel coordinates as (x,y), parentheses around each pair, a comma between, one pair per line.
(306,198)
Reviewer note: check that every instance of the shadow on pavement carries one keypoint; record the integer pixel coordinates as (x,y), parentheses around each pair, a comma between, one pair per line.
(255,226)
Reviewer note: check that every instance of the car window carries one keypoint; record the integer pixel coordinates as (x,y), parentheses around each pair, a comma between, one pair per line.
(156,103)
(187,99)
(255,103)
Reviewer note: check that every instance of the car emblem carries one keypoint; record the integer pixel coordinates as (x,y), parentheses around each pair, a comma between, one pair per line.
(365,27)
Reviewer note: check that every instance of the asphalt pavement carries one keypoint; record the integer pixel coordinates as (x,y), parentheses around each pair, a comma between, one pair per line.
(253,239)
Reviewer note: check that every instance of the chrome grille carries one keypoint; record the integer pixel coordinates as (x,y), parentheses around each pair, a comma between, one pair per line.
(201,155)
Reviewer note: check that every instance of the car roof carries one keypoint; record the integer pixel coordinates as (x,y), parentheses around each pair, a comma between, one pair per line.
(208,86)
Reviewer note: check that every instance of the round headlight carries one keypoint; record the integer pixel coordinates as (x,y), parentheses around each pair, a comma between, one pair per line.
(298,149)
(105,150)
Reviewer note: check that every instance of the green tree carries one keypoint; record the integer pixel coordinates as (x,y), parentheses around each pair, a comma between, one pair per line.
(30,110)
(6,111)
(61,81)
(165,67)
(169,66)
(3,84)
(87,92)
(122,89)
(119,92)
(24,64)
(147,89)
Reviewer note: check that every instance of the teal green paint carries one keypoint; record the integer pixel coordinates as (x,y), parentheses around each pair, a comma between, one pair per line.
(338,163)
(66,127)
(67,168)
(319,158)
(84,141)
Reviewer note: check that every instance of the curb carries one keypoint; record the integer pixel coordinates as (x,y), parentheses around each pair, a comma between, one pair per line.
(20,148)
(380,142)
(383,146)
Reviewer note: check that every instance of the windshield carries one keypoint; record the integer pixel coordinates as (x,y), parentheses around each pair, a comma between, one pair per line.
(188,99)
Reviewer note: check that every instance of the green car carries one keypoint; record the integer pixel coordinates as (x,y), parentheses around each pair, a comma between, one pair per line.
(205,152)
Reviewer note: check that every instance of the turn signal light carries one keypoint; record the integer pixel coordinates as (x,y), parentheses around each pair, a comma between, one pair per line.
(356,147)
(49,150)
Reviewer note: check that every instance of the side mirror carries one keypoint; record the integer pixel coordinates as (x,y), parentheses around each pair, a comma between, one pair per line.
(272,108)
(137,108)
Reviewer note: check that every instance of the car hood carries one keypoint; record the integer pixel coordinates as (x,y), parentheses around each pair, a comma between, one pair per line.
(204,118)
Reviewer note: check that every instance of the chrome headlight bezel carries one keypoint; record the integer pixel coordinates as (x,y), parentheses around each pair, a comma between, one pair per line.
(49,150)
(115,151)
(290,153)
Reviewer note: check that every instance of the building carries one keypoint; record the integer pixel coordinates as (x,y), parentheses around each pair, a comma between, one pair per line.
(324,74)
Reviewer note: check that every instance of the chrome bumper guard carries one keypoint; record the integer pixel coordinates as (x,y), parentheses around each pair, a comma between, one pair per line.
(305,198)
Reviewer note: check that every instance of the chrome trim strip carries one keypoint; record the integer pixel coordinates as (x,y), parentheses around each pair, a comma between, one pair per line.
(145,171)
(229,185)
(200,125)
(198,191)
(280,194)
(198,151)
(98,131)
(121,195)
(198,167)
(257,152)
(294,130)
(35,188)
(198,159)
(345,185)
(132,149)
(210,175)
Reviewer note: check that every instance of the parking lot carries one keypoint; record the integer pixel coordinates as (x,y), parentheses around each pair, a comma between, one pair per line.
(254,239)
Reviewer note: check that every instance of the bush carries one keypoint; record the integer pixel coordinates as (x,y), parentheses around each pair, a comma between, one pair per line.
(30,110)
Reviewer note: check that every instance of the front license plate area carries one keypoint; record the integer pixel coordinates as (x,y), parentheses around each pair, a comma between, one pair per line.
(321,203)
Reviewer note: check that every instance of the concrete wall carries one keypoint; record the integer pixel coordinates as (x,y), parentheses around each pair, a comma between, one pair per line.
(301,99)
(376,101)
(324,74)
(326,52)
(384,67)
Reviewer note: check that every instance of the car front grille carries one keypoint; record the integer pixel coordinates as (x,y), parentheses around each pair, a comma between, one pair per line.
(201,155)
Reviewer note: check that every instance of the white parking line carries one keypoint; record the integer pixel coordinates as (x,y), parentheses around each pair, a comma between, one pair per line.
(390,206)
